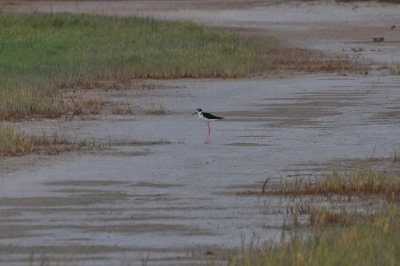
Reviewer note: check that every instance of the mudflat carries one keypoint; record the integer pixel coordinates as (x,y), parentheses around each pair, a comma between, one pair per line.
(166,198)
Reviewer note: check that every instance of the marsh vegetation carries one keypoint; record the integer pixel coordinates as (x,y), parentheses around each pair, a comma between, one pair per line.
(372,241)
(340,233)
(358,184)
(44,53)
(43,56)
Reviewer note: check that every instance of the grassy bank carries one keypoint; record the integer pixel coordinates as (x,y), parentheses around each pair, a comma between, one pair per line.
(42,53)
(371,241)
(339,235)
(358,184)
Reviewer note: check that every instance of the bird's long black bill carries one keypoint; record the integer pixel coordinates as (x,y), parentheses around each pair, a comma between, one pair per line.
(194,113)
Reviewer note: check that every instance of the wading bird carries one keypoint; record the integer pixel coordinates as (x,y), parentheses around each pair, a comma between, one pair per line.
(208,117)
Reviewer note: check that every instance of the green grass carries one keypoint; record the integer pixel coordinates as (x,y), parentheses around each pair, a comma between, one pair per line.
(74,48)
(367,242)
(40,53)
(338,236)
(43,54)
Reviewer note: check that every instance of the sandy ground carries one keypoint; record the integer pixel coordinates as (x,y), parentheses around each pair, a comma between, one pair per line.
(176,203)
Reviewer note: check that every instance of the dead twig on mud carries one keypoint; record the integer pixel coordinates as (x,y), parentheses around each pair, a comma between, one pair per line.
(265,184)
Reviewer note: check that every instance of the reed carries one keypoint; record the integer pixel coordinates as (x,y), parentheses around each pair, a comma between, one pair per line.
(366,242)
(359,183)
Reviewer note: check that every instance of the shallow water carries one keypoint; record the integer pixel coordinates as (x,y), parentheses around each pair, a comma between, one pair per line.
(178,200)
(174,203)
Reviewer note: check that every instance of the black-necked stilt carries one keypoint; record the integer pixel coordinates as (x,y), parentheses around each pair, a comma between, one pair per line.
(208,117)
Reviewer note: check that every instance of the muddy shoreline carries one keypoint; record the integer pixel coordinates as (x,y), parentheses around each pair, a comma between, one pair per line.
(175,203)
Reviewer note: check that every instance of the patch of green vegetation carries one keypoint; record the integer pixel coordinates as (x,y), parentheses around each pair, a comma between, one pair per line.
(339,234)
(41,55)
(42,52)
(371,241)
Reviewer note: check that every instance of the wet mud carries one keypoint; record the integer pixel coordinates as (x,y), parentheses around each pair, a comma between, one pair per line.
(157,194)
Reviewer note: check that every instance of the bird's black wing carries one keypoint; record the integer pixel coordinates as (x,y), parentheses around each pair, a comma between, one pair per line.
(211,116)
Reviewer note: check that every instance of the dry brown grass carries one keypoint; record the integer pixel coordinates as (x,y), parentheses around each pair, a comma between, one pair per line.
(55,145)
(87,107)
(13,143)
(123,83)
(325,216)
(155,109)
(396,70)
(139,143)
(301,212)
(372,241)
(120,110)
(288,61)
(360,183)
(292,61)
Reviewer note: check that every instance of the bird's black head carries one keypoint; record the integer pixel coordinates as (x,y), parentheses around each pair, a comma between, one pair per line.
(198,111)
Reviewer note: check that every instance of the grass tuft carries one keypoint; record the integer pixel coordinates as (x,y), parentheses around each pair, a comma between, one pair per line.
(359,183)
(13,143)
(155,109)
(325,216)
(396,70)
(367,242)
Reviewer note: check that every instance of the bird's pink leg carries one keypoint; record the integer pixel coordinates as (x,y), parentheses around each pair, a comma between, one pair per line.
(208,134)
